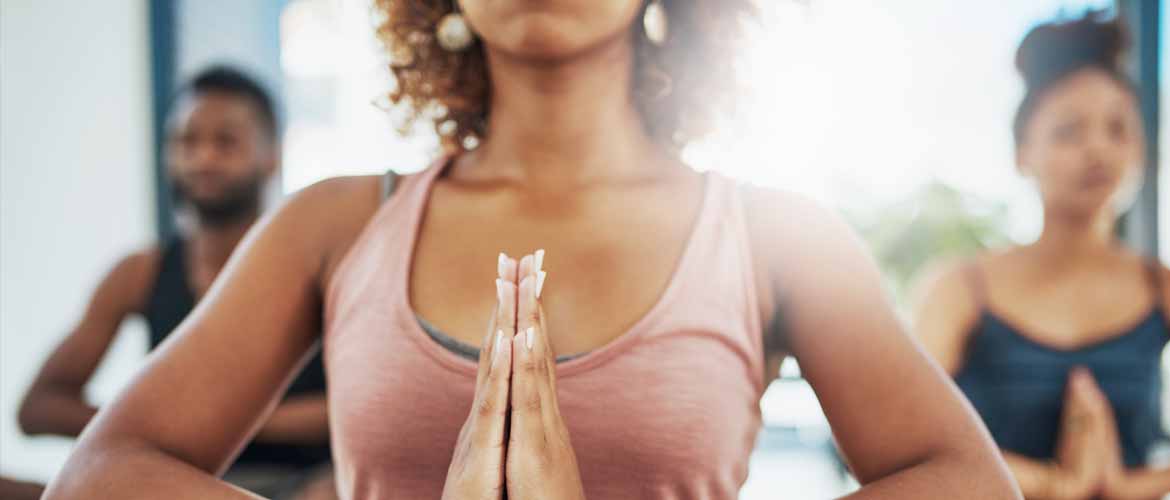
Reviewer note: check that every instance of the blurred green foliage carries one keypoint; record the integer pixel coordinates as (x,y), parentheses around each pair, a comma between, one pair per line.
(934,222)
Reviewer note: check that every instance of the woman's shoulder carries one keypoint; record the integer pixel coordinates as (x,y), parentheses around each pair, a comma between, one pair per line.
(331,203)
(1164,288)
(783,227)
(961,276)
(1161,277)
(322,220)
(780,220)
(803,248)
(795,237)
(950,286)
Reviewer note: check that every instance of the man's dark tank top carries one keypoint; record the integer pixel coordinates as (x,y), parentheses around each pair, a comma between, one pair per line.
(1018,384)
(171,300)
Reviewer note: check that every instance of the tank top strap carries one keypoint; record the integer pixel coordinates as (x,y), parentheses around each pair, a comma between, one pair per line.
(171,297)
(415,184)
(1153,274)
(977,282)
(172,262)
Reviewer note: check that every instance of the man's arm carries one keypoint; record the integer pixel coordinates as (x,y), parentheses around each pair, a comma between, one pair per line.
(55,403)
(12,489)
(182,420)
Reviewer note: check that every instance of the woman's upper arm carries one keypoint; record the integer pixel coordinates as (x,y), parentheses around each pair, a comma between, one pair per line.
(206,389)
(890,407)
(944,312)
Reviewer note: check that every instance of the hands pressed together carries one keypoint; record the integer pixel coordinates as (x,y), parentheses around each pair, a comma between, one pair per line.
(1089,463)
(514,443)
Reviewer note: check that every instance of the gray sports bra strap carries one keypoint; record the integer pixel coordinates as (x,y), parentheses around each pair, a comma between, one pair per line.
(389,179)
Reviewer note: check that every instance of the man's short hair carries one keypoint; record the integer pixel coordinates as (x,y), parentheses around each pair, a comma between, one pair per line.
(227,80)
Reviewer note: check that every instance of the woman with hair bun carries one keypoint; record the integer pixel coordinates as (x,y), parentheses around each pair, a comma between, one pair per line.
(1058,343)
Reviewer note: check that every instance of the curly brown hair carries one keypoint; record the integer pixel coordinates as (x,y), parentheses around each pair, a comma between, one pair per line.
(680,87)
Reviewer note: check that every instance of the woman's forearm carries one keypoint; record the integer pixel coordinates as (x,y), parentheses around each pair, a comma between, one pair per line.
(955,476)
(57,412)
(1145,484)
(135,472)
(299,420)
(1039,480)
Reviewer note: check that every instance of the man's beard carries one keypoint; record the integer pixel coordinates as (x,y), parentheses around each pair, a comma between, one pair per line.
(239,200)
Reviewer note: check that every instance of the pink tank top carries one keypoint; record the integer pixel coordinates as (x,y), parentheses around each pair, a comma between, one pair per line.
(668,410)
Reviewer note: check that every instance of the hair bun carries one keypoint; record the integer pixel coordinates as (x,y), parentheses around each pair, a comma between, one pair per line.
(1054,50)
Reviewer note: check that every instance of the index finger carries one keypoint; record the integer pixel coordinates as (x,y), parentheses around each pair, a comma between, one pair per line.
(506,268)
(503,320)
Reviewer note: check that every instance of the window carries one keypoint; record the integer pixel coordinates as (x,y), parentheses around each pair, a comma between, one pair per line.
(1164,141)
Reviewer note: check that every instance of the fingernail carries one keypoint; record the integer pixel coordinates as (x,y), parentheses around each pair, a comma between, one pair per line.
(496,349)
(539,282)
(502,265)
(538,260)
(529,336)
(500,290)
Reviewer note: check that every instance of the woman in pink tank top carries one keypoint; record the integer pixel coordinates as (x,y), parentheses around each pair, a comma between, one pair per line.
(625,361)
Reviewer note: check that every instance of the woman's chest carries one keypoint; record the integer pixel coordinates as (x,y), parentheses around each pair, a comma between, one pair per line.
(1076,311)
(676,408)
(607,265)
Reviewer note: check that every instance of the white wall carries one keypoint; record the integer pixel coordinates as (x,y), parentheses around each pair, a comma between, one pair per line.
(76,190)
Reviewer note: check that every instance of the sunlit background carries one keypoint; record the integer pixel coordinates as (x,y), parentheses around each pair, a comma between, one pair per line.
(897,113)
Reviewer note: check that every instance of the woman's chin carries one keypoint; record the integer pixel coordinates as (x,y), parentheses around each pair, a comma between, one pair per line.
(1088,205)
(548,37)
(540,43)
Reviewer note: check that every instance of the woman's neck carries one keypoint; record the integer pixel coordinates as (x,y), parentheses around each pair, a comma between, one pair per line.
(1075,238)
(566,122)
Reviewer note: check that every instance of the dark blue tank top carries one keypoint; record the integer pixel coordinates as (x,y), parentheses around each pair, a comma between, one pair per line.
(1018,384)
(171,300)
